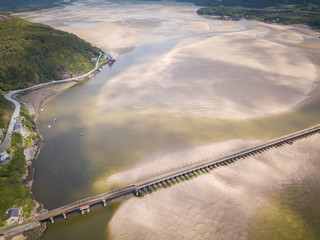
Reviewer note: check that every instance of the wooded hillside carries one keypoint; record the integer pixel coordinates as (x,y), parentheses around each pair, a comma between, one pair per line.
(32,53)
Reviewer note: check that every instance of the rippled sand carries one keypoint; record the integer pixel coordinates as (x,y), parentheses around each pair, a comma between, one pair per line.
(169,161)
(219,69)
(233,75)
(218,205)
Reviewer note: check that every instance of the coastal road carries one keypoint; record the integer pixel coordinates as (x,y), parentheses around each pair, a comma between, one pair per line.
(9,96)
(7,140)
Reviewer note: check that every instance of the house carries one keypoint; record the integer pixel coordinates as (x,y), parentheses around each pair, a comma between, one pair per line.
(4,156)
(17,126)
(13,215)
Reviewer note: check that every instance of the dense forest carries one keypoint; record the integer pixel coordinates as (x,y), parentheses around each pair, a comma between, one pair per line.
(26,5)
(279,11)
(32,53)
(253,3)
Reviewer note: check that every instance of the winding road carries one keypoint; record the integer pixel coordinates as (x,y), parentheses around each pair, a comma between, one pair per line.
(7,140)
(9,96)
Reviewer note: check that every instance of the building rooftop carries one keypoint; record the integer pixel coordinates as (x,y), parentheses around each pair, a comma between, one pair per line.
(3,156)
(13,212)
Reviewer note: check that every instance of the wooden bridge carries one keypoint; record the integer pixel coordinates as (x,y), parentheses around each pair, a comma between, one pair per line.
(158,182)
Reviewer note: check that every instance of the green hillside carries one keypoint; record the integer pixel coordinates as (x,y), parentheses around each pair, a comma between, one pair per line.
(26,5)
(32,53)
(279,11)
(254,3)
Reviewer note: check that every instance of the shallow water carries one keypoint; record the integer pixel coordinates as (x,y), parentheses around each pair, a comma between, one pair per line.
(89,142)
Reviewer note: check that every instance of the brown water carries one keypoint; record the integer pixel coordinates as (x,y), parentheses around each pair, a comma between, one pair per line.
(88,143)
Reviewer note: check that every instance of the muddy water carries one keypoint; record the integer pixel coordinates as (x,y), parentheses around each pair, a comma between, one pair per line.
(88,143)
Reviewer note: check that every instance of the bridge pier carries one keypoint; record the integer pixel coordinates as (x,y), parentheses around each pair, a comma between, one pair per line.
(84,209)
(104,203)
(51,219)
(64,215)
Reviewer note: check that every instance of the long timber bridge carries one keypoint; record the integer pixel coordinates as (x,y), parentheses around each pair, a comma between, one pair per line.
(155,183)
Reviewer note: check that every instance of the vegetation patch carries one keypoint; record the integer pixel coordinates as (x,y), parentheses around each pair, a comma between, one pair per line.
(3,107)
(12,192)
(280,11)
(27,118)
(284,14)
(26,5)
(16,140)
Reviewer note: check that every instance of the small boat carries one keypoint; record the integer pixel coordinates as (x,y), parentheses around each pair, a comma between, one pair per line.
(49,126)
(55,120)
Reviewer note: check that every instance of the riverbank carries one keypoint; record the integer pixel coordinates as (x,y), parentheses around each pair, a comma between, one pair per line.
(34,98)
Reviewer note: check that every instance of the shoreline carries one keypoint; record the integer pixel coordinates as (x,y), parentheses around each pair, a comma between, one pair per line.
(25,96)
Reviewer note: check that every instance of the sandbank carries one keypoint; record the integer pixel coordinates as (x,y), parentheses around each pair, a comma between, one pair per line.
(240,69)
(220,204)
(38,97)
(238,75)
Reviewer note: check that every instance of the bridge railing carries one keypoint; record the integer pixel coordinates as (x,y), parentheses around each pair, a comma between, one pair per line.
(86,201)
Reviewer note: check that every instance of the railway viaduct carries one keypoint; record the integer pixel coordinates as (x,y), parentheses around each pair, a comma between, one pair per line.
(166,180)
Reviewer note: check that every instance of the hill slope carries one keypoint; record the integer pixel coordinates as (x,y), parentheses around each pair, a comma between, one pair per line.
(31,53)
(25,5)
(280,11)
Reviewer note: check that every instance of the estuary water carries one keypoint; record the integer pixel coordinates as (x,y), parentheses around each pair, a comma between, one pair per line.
(178,84)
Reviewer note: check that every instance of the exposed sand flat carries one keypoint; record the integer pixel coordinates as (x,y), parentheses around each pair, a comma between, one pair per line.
(233,75)
(167,162)
(37,98)
(218,205)
(220,69)
(121,27)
